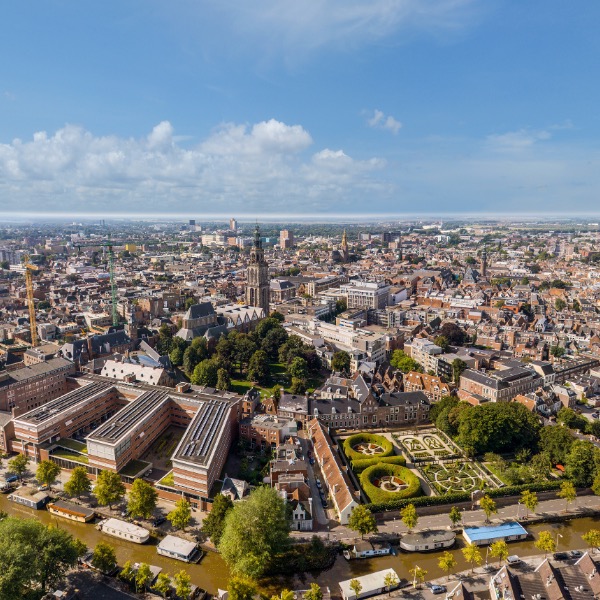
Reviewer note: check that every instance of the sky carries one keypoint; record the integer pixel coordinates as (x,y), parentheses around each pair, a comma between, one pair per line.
(322,107)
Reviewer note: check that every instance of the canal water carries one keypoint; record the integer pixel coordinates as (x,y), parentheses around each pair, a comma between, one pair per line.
(212,573)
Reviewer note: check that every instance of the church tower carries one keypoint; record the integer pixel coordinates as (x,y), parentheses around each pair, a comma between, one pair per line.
(484,262)
(344,247)
(258,289)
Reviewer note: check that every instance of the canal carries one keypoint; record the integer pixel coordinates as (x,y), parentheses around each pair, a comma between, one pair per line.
(212,573)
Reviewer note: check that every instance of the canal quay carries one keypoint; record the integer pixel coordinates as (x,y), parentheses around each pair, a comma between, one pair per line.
(212,573)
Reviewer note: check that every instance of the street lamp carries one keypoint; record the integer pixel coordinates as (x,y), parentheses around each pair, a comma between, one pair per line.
(486,556)
(518,510)
(557,536)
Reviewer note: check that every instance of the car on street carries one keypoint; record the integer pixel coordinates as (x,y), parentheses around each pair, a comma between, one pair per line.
(560,556)
(158,521)
(436,589)
(311,461)
(575,554)
(513,560)
(324,503)
(318,483)
(10,478)
(43,488)
(595,415)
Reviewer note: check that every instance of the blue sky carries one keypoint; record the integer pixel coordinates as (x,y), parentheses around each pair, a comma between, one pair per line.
(268,107)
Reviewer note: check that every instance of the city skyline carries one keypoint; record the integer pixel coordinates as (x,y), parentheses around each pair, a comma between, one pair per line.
(383,109)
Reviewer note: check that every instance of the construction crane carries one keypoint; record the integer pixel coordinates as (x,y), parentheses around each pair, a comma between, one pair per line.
(29,285)
(111,271)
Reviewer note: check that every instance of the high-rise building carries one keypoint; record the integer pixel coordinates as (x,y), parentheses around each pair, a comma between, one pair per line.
(233,224)
(258,290)
(286,239)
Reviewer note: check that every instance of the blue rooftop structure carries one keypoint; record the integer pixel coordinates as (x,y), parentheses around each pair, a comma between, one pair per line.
(482,536)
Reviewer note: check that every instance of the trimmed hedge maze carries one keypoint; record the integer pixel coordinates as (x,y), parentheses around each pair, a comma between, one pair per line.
(384,483)
(358,466)
(367,446)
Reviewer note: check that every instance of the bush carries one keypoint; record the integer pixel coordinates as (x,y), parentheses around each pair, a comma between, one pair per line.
(358,466)
(377,495)
(367,438)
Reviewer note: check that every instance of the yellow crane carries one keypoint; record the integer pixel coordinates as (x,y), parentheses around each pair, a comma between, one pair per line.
(29,285)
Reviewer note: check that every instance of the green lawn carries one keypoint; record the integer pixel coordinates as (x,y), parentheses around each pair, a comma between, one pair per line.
(167,480)
(68,455)
(278,376)
(492,468)
(133,467)
(74,445)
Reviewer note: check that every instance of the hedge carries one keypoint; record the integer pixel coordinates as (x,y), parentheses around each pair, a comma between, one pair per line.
(377,495)
(453,498)
(369,438)
(358,466)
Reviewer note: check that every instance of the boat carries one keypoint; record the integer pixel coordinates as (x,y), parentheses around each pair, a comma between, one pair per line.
(425,541)
(179,549)
(124,530)
(365,549)
(68,510)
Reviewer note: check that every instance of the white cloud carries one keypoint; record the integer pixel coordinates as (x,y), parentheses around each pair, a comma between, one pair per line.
(380,121)
(244,167)
(516,141)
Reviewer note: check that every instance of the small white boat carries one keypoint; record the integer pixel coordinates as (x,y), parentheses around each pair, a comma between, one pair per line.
(124,530)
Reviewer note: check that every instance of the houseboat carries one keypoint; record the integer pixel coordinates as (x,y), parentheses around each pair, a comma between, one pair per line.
(371,585)
(425,541)
(67,510)
(30,497)
(482,536)
(124,530)
(6,487)
(364,549)
(179,549)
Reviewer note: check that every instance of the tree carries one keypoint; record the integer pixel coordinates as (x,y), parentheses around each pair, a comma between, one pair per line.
(165,337)
(529,500)
(442,342)
(356,587)
(33,555)
(258,368)
(409,516)
(255,531)
(472,555)
(18,465)
(143,577)
(163,584)
(183,584)
(488,506)
(596,485)
(453,333)
(314,593)
(541,465)
(455,516)
(362,520)
(142,499)
(499,550)
(592,538)
(244,348)
(241,588)
(458,366)
(127,573)
(176,356)
(417,573)
(298,368)
(447,562)
(567,492)
(223,380)
(580,463)
(557,351)
(79,546)
(404,363)
(340,362)
(556,442)
(109,488)
(205,373)
(47,472)
(274,339)
(190,360)
(214,524)
(181,515)
(104,557)
(298,386)
(545,542)
(79,482)
(560,304)
(284,595)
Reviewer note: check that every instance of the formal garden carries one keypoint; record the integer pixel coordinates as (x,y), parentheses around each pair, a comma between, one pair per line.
(458,476)
(427,446)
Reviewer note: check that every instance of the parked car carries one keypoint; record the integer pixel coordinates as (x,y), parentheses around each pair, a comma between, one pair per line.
(10,477)
(318,483)
(595,415)
(560,556)
(324,503)
(575,554)
(311,461)
(437,589)
(513,560)
(42,488)
(158,521)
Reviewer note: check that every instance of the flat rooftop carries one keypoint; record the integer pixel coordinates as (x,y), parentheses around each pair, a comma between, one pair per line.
(202,433)
(494,531)
(129,416)
(54,408)
(25,373)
